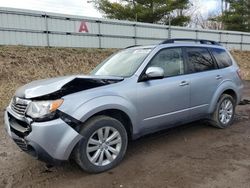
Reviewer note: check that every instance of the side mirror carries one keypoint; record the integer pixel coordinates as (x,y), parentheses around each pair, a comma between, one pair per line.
(154,73)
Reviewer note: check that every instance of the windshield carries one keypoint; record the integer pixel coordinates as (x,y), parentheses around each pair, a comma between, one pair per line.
(123,64)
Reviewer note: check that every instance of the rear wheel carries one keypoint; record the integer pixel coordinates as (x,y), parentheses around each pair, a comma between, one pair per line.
(103,145)
(223,115)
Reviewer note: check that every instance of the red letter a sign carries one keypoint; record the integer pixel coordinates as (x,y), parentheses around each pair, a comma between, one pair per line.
(83,27)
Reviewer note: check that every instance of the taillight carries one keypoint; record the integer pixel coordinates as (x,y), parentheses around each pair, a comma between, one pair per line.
(240,74)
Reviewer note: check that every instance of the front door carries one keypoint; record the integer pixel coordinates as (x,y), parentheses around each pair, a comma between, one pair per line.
(164,102)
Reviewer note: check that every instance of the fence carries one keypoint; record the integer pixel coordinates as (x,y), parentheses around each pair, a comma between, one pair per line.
(34,28)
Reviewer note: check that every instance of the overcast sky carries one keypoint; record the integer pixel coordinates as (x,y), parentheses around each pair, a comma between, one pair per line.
(82,7)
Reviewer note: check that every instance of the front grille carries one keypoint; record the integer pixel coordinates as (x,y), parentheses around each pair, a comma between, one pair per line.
(20,128)
(19,105)
(21,144)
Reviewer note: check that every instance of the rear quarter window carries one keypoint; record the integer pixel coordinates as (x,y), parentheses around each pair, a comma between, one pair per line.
(222,57)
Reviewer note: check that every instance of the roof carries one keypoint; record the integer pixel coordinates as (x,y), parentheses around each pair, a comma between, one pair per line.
(182,42)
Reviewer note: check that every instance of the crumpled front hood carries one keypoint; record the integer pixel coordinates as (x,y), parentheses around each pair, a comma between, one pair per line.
(63,85)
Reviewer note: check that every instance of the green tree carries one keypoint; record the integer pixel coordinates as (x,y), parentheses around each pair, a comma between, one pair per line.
(150,11)
(237,17)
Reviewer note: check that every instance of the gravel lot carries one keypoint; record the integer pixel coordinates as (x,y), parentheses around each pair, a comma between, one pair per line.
(193,155)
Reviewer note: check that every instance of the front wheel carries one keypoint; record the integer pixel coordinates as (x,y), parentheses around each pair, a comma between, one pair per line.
(103,145)
(223,115)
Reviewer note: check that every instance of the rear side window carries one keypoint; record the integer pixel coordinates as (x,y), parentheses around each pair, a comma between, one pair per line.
(199,59)
(222,57)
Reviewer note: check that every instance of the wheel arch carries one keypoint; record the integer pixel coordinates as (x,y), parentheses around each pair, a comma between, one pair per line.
(120,116)
(230,90)
(232,93)
(113,106)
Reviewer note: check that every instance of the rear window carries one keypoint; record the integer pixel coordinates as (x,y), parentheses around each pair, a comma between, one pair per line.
(222,57)
(199,59)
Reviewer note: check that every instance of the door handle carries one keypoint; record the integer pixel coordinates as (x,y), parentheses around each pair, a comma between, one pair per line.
(184,83)
(218,77)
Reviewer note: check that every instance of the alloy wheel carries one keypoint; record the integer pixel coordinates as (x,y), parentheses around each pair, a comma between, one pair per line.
(226,111)
(104,146)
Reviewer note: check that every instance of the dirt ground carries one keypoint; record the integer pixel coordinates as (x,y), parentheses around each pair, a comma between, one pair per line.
(193,155)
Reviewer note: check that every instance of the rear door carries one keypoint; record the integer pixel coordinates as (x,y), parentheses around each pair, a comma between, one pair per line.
(205,77)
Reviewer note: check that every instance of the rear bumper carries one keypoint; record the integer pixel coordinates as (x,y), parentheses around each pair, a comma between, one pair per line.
(50,141)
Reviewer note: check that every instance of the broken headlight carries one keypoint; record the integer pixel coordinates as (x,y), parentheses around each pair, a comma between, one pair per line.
(41,109)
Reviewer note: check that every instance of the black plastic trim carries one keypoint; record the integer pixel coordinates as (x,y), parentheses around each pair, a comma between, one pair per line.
(201,41)
(72,122)
(37,151)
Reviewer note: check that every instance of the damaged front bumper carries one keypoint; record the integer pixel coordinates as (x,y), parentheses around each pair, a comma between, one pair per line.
(50,141)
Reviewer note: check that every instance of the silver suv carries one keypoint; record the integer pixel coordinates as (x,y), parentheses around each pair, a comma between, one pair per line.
(137,91)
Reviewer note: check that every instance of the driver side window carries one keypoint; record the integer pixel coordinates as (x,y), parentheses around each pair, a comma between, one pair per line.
(170,60)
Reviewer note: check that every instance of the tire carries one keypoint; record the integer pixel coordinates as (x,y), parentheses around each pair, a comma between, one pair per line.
(90,161)
(217,119)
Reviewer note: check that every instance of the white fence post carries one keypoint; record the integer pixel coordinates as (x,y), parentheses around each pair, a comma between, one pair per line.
(99,33)
(135,33)
(47,29)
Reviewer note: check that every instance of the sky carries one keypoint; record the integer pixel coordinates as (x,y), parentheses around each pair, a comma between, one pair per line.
(207,7)
(84,7)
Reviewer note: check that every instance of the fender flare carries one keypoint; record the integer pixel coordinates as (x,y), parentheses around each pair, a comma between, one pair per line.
(226,85)
(98,104)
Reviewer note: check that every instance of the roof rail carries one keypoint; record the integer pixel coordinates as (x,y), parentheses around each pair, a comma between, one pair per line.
(201,41)
(132,46)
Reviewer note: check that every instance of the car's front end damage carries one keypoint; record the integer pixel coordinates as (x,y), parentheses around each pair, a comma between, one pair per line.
(50,141)
(36,121)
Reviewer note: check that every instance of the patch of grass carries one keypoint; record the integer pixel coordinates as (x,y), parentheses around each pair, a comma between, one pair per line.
(243,60)
(20,65)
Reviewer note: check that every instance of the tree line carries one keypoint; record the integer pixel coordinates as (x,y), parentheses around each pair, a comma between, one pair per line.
(232,15)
